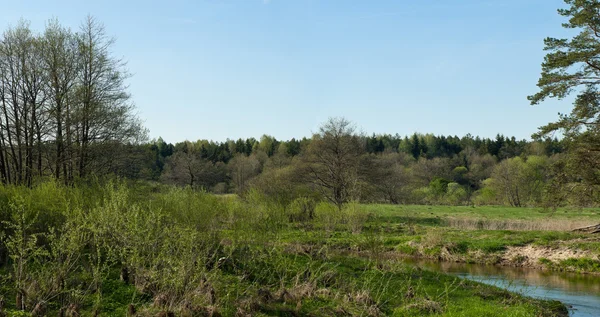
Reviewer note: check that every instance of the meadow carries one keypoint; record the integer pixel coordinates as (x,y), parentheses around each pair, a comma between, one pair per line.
(146,250)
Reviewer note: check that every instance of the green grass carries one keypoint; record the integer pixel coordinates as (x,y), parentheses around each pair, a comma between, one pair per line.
(191,252)
(425,231)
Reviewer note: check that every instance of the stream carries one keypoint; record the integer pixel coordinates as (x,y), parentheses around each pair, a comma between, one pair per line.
(579,292)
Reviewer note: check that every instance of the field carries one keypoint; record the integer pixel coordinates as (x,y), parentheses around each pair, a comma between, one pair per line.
(117,249)
(532,237)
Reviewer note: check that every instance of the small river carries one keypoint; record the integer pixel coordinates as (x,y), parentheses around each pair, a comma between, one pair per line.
(581,293)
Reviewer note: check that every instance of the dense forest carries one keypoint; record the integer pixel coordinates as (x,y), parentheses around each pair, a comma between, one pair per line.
(417,169)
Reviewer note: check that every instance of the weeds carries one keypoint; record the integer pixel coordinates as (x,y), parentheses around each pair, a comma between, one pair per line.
(112,250)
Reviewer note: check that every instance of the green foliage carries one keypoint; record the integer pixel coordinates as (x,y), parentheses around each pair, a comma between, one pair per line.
(187,251)
(581,264)
(302,209)
(571,67)
(455,194)
(438,186)
(519,182)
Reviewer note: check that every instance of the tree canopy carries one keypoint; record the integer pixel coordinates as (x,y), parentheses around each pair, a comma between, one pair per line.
(572,66)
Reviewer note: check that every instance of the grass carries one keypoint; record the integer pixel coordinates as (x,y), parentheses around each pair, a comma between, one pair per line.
(468,234)
(194,254)
(483,212)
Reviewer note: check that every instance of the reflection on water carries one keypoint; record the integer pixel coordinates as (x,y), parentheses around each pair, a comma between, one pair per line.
(578,291)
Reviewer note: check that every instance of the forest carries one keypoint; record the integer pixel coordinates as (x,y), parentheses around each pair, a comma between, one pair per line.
(66,114)
(420,169)
(98,220)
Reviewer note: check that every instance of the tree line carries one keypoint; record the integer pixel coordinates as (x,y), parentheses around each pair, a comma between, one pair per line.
(416,169)
(66,113)
(64,105)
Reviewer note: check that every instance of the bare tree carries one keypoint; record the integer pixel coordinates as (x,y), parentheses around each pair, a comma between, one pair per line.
(388,174)
(60,54)
(104,112)
(242,169)
(333,160)
(64,105)
(188,169)
(22,103)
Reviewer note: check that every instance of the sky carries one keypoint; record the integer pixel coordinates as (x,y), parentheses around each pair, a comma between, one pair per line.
(219,69)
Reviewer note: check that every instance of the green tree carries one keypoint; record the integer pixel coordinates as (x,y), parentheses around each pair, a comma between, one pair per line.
(405,146)
(520,182)
(572,66)
(418,146)
(268,144)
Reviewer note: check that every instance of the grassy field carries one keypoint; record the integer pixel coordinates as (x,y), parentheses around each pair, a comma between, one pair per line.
(532,237)
(119,250)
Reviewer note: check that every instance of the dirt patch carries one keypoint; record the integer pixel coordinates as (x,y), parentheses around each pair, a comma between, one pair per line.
(530,255)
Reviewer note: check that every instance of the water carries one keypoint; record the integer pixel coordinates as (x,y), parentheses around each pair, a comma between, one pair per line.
(581,293)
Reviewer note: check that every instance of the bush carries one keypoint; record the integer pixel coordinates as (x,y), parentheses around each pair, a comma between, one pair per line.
(455,194)
(355,217)
(301,209)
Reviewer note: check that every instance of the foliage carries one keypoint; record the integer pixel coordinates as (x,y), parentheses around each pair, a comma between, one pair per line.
(571,67)
(104,248)
(520,182)
(65,109)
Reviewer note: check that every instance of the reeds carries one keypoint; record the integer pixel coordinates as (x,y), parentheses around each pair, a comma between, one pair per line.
(516,225)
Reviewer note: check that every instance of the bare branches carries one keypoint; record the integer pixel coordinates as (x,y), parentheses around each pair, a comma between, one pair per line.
(333,159)
(62,94)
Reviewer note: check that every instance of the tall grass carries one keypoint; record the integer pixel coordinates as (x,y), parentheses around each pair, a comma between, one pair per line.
(64,245)
(113,250)
(517,225)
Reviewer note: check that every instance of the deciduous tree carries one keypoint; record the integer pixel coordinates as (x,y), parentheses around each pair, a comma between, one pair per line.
(333,160)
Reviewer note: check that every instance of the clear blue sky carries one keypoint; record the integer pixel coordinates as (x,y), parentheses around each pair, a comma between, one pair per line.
(217,69)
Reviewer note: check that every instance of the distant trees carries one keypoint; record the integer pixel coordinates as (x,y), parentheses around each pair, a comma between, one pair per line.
(520,182)
(64,105)
(338,164)
(188,169)
(389,176)
(479,168)
(241,170)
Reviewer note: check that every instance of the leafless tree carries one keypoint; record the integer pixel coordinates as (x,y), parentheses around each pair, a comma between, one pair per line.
(64,103)
(242,169)
(333,160)
(188,169)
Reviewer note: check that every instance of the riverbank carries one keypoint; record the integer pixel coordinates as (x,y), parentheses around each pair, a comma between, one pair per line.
(560,257)
(516,237)
(520,237)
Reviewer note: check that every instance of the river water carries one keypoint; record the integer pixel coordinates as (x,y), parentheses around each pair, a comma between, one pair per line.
(581,293)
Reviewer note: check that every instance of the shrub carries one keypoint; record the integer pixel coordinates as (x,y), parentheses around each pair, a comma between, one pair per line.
(301,209)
